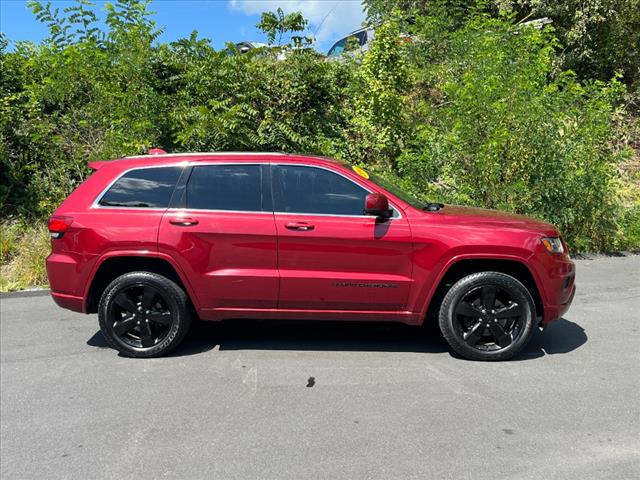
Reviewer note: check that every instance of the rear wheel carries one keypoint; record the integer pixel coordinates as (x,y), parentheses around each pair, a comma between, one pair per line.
(143,314)
(487,316)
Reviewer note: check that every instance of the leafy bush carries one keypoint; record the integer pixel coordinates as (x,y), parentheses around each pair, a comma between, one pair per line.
(598,37)
(255,102)
(502,132)
(476,110)
(379,121)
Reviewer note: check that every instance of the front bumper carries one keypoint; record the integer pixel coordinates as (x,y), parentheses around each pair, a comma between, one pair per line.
(555,312)
(558,287)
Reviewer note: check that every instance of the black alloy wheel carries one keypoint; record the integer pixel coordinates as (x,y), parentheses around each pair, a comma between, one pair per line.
(144,314)
(140,316)
(487,316)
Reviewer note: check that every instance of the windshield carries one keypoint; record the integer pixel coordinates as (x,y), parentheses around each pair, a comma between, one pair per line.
(390,187)
(358,39)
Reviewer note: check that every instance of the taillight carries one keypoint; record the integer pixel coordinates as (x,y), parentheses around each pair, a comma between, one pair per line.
(58,225)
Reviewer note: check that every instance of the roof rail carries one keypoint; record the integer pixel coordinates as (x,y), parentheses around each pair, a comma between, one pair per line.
(199,154)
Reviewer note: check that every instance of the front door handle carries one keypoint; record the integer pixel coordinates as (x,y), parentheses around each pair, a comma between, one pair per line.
(183,221)
(301,226)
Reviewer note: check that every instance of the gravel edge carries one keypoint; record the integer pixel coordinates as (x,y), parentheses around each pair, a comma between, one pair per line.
(32,292)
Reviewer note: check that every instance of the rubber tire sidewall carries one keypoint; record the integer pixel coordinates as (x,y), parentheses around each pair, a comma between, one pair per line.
(461,288)
(173,294)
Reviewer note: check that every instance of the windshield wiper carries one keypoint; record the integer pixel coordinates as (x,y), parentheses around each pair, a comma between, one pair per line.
(432,207)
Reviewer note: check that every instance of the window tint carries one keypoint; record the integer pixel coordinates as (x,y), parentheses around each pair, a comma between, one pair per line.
(145,187)
(301,189)
(226,187)
(338,48)
(362,38)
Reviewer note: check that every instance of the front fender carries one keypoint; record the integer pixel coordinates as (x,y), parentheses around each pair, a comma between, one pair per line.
(426,290)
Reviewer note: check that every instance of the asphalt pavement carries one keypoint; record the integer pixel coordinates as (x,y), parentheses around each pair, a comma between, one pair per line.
(306,400)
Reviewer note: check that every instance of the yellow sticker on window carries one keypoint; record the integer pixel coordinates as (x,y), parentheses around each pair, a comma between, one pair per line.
(360,172)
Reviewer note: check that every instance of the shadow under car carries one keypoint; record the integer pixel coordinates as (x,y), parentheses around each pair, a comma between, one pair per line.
(562,336)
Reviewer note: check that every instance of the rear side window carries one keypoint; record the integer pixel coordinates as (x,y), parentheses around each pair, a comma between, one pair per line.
(300,189)
(144,187)
(226,187)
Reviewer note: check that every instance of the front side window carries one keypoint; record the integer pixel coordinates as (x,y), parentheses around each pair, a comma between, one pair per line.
(226,187)
(144,187)
(300,189)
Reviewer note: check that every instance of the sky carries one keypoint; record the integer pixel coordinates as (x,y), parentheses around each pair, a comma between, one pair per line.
(219,20)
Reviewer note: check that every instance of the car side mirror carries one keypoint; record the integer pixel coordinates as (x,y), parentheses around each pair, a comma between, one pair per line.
(376,204)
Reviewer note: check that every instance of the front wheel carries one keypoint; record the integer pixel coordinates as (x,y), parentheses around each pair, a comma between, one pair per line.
(487,316)
(143,314)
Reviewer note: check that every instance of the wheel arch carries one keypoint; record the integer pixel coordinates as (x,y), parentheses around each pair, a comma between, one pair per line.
(111,267)
(459,268)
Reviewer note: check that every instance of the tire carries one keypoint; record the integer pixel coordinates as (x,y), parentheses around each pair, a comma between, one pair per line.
(487,316)
(143,314)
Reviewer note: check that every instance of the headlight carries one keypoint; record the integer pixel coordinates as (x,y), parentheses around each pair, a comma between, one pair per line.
(553,244)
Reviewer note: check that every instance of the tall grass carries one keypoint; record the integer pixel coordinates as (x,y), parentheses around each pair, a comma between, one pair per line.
(23,249)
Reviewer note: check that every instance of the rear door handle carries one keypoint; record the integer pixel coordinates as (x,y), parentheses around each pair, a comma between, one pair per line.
(183,221)
(301,226)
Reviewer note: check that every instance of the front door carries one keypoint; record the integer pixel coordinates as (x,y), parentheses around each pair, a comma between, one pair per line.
(330,255)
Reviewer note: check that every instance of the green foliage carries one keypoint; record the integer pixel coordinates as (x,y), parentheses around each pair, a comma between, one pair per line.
(9,240)
(75,99)
(276,25)
(475,110)
(597,38)
(379,120)
(454,11)
(495,130)
(57,25)
(252,102)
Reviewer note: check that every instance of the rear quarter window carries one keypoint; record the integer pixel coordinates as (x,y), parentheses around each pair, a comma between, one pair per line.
(143,188)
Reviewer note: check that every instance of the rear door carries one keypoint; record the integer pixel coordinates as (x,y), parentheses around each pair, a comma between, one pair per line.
(330,255)
(223,236)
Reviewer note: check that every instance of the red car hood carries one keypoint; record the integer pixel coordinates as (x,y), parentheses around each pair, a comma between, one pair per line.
(486,217)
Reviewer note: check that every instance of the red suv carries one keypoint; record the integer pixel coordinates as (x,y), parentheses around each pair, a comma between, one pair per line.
(151,242)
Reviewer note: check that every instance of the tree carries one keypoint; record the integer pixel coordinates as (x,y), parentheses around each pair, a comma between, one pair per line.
(476,108)
(276,25)
(379,120)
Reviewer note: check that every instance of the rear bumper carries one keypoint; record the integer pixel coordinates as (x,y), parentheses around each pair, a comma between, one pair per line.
(67,280)
(70,302)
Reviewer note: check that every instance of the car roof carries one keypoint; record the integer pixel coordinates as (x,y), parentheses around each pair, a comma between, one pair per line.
(192,157)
